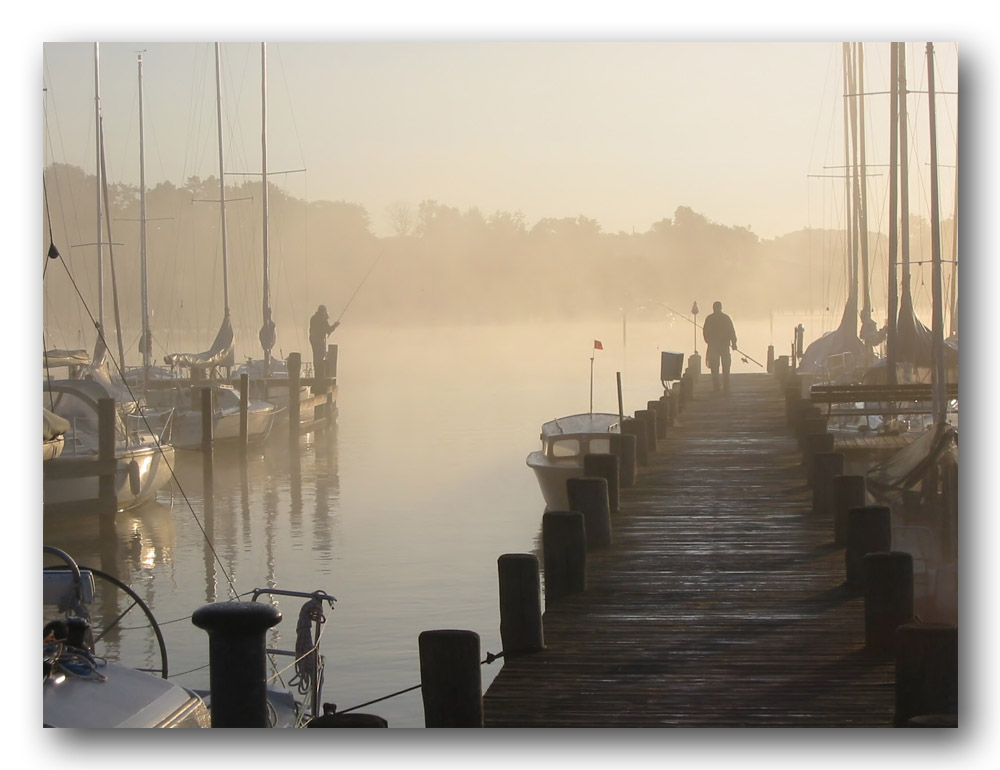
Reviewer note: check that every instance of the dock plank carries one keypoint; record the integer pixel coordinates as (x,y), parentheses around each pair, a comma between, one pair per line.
(720,601)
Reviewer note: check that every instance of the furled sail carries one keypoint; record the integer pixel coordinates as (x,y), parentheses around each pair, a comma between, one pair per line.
(836,352)
(220,354)
(57,357)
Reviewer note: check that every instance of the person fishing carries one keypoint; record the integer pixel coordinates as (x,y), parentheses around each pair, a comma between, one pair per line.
(720,336)
(319,329)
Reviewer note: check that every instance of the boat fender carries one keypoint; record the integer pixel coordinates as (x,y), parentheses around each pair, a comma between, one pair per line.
(134,482)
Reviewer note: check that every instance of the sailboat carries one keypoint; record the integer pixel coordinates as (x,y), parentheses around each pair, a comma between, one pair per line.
(143,459)
(204,367)
(313,405)
(838,355)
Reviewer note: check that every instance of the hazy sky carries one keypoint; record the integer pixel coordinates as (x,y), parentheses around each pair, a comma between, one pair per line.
(623,133)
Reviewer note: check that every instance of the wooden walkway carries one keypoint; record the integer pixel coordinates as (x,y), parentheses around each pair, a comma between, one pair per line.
(719,603)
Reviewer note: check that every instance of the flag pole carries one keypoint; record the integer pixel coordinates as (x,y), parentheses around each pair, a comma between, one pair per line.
(592,382)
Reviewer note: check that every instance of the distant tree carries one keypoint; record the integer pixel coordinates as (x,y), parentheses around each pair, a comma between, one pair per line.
(402,218)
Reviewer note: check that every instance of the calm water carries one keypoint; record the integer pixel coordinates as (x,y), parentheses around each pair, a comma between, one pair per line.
(400,512)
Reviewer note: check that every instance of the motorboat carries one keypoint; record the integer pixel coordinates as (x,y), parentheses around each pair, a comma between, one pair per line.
(565,442)
(144,460)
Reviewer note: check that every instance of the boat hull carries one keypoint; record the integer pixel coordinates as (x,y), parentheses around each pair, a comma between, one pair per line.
(153,466)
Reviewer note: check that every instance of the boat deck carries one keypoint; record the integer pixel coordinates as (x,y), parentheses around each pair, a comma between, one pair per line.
(719,603)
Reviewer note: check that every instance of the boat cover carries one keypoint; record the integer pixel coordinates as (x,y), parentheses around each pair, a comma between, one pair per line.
(220,354)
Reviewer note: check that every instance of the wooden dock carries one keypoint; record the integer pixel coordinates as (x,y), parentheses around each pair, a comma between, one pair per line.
(720,602)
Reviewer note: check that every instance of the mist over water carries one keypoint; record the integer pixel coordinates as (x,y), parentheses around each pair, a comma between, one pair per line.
(401,512)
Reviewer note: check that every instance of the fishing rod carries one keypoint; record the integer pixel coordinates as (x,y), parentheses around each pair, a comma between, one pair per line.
(363,280)
(746,356)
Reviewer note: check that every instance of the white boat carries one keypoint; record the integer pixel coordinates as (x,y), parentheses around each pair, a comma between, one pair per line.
(144,462)
(565,442)
(186,421)
(54,430)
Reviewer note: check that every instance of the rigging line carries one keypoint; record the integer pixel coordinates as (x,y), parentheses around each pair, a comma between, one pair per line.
(170,467)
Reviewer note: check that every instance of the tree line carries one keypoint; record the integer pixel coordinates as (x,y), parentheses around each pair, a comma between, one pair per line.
(442,264)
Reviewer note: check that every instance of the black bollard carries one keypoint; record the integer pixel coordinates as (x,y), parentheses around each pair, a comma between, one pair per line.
(926,671)
(869,529)
(520,604)
(606,466)
(888,577)
(589,496)
(623,447)
(848,492)
(827,466)
(450,678)
(238,660)
(564,550)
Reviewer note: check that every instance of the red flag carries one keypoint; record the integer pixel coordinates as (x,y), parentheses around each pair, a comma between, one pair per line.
(598,345)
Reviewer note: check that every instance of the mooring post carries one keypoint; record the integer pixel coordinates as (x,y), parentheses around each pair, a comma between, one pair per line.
(816,443)
(647,418)
(848,492)
(564,548)
(607,467)
(237,660)
(828,465)
(589,496)
(451,682)
(331,365)
(926,671)
(520,604)
(637,429)
(107,492)
(623,447)
(294,375)
(207,443)
(888,577)
(244,413)
(656,408)
(869,529)
(667,411)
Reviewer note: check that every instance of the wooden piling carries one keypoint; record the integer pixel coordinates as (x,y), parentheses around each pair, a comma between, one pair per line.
(606,466)
(816,443)
(450,678)
(869,529)
(637,429)
(926,671)
(827,466)
(848,492)
(520,604)
(888,577)
(244,413)
(647,418)
(294,376)
(207,442)
(564,549)
(589,496)
(656,408)
(623,447)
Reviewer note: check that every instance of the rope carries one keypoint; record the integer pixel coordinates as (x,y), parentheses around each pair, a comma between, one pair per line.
(490,657)
(307,657)
(59,658)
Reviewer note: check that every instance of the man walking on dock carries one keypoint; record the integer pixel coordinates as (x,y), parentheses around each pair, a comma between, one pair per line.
(720,336)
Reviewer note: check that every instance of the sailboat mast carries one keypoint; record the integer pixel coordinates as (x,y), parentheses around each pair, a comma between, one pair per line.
(866,301)
(893,309)
(222,178)
(100,188)
(904,185)
(937,300)
(145,339)
(266,333)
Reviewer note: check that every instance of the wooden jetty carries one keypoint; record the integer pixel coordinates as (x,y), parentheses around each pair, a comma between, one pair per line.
(721,601)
